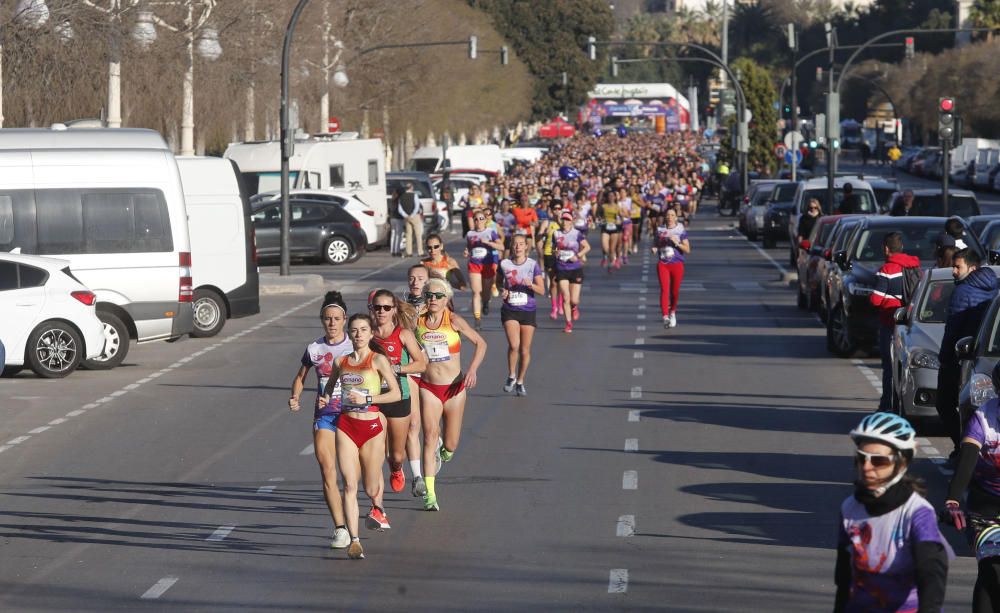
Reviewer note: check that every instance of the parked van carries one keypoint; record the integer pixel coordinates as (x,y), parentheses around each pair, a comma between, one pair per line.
(226,281)
(325,161)
(110,203)
(460,157)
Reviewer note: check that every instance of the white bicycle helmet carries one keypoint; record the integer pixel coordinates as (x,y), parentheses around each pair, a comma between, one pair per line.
(886,428)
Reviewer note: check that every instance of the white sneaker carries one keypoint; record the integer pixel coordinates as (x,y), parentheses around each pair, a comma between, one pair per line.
(673,320)
(341,539)
(666,321)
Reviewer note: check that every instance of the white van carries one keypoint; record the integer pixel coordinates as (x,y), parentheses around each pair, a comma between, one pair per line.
(460,157)
(110,203)
(225,276)
(319,162)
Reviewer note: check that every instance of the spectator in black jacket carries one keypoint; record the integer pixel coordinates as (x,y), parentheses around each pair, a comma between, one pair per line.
(808,221)
(901,208)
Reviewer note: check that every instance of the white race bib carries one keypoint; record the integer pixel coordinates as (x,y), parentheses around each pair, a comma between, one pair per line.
(566,255)
(611,227)
(479,252)
(517,298)
(667,253)
(336,386)
(438,352)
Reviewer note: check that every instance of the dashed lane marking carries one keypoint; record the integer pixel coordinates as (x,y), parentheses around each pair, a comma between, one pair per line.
(39,430)
(221,533)
(266,489)
(18,440)
(638,355)
(618,581)
(626,526)
(631,445)
(633,415)
(640,341)
(636,372)
(630,480)
(309,450)
(635,393)
(159,588)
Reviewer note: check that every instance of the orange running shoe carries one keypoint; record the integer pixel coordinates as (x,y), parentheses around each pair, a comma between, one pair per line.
(397,480)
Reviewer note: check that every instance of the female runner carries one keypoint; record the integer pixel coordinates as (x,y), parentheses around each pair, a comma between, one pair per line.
(360,436)
(320,354)
(571,253)
(443,386)
(479,243)
(611,230)
(672,246)
(442,265)
(417,277)
(394,322)
(519,280)
(625,206)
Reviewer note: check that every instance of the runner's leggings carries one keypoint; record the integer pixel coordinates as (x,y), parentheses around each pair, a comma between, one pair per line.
(670,276)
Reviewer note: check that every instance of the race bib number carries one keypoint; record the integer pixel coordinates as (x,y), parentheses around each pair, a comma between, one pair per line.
(667,253)
(611,227)
(479,252)
(336,387)
(566,255)
(348,404)
(517,298)
(438,352)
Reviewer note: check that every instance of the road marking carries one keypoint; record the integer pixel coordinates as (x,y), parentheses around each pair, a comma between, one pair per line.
(39,430)
(92,405)
(645,277)
(266,489)
(75,413)
(633,415)
(618,581)
(642,307)
(641,316)
(638,355)
(626,526)
(630,480)
(768,256)
(642,299)
(635,393)
(117,393)
(18,440)
(4,448)
(636,372)
(132,386)
(159,588)
(631,445)
(57,421)
(220,533)
(640,341)
(309,450)
(276,479)
(105,399)
(930,451)
(643,290)
(640,328)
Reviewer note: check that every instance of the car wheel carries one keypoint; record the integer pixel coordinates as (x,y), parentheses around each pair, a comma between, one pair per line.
(769,242)
(337,251)
(54,350)
(116,345)
(209,313)
(838,333)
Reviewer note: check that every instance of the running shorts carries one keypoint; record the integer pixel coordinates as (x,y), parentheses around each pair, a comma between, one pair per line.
(525,318)
(573,275)
(360,431)
(486,270)
(400,408)
(326,422)
(550,263)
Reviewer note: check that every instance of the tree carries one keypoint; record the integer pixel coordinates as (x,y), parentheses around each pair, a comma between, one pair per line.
(760,93)
(985,14)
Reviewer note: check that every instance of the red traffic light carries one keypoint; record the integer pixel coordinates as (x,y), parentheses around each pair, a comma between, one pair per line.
(946,105)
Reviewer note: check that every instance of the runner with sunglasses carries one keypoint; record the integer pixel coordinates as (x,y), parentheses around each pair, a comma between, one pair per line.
(394,322)
(891,555)
(321,354)
(611,230)
(360,435)
(672,246)
(571,253)
(443,386)
(442,265)
(519,280)
(480,241)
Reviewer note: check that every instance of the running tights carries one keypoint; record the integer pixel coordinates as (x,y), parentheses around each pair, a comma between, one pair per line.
(670,276)
(986,594)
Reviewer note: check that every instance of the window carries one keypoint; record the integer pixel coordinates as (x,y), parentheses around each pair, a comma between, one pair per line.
(337,175)
(269,213)
(934,307)
(372,172)
(32,277)
(312,180)
(8,276)
(6,219)
(919,241)
(308,212)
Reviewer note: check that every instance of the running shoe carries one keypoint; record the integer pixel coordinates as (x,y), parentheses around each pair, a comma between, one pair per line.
(554,314)
(576,313)
(356,551)
(520,390)
(568,329)
(508,386)
(419,487)
(479,323)
(446,455)
(341,539)
(618,263)
(397,480)
(673,320)
(486,307)
(377,520)
(431,503)
(495,291)
(666,321)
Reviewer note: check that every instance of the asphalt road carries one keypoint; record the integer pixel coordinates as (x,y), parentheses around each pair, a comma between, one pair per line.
(697,469)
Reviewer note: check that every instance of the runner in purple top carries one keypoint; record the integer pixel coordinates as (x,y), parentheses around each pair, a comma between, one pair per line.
(571,252)
(891,556)
(519,280)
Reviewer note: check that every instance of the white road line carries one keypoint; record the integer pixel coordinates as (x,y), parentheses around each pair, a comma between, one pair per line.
(645,277)
(641,316)
(638,355)
(39,430)
(643,290)
(618,581)
(132,386)
(630,480)
(626,526)
(4,448)
(117,393)
(642,307)
(635,393)
(221,533)
(92,405)
(642,299)
(57,421)
(75,413)
(105,399)
(769,258)
(18,440)
(640,328)
(276,479)
(631,445)
(309,450)
(159,588)
(633,415)
(639,341)
(266,489)
(636,372)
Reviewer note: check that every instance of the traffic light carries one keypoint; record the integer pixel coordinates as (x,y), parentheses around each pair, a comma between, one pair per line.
(813,144)
(908,44)
(786,110)
(946,119)
(819,74)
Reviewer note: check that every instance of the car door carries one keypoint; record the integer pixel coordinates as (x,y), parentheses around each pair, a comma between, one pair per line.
(309,229)
(21,305)
(267,226)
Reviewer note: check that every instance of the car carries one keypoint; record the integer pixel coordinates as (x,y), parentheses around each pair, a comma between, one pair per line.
(817,188)
(361,212)
(50,321)
(977,356)
(814,250)
(978,223)
(929,203)
(825,269)
(883,189)
(731,191)
(776,213)
(460,187)
(916,163)
(320,230)
(852,323)
(435,210)
(990,236)
(754,204)
(785,174)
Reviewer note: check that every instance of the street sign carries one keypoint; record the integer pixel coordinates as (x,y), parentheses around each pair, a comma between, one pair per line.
(333,125)
(793,139)
(779,150)
(798,156)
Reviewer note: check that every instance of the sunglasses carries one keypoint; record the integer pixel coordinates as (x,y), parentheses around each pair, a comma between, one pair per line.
(435,295)
(876,460)
(433,247)
(480,219)
(381,307)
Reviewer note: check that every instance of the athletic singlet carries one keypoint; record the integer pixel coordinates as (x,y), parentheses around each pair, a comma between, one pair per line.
(568,249)
(883,577)
(582,215)
(362,377)
(439,269)
(625,209)
(984,428)
(550,231)
(517,280)
(398,354)
(321,355)
(636,206)
(478,252)
(438,343)
(610,213)
(668,254)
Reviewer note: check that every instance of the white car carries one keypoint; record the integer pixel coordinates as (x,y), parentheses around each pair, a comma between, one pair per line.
(364,214)
(49,319)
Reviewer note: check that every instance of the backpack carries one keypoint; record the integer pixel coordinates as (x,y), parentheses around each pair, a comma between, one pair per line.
(911,278)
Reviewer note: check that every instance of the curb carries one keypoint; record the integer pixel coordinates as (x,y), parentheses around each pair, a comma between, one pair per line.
(273,284)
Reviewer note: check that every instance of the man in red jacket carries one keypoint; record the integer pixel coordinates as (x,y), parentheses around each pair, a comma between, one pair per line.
(887,297)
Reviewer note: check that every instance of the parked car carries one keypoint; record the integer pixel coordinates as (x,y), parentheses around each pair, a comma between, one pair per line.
(817,188)
(852,323)
(751,214)
(320,230)
(801,174)
(812,251)
(49,321)
(731,191)
(916,163)
(434,210)
(883,189)
(978,223)
(929,203)
(361,212)
(977,356)
(990,236)
(776,213)
(826,270)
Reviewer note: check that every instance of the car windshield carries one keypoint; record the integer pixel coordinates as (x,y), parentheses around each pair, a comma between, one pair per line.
(918,240)
(761,196)
(990,236)
(866,204)
(423,191)
(962,206)
(883,195)
(934,306)
(784,192)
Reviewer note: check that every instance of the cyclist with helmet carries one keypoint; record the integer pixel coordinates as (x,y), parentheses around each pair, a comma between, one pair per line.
(891,555)
(978,472)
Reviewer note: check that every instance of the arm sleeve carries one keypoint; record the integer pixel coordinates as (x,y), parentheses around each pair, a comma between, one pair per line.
(967,457)
(930,560)
(307,359)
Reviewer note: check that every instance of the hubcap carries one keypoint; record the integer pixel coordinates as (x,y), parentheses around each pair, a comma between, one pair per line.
(56,350)
(112,342)
(338,251)
(206,313)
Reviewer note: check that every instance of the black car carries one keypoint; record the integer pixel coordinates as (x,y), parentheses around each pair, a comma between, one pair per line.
(778,210)
(852,322)
(929,203)
(319,230)
(826,270)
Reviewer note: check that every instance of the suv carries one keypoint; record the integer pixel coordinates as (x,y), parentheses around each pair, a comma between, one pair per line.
(751,212)
(816,188)
(777,211)
(852,322)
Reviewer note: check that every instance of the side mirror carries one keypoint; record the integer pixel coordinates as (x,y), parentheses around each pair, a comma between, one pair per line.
(965,348)
(899,316)
(994,257)
(805,245)
(826,255)
(841,260)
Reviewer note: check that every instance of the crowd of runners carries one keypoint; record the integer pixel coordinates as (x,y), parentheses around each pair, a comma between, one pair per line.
(391,387)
